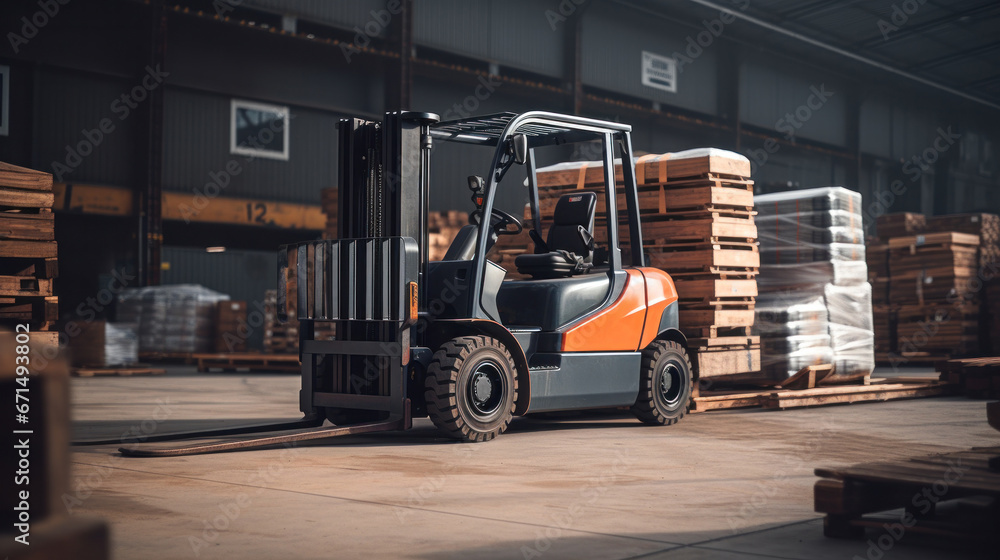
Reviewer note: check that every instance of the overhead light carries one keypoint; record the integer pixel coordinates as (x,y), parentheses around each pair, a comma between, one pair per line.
(215,249)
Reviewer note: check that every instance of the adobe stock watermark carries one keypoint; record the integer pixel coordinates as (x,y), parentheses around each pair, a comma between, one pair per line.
(914,169)
(121,107)
(587,496)
(485,88)
(923,502)
(791,464)
(697,44)
(563,12)
(219,180)
(84,484)
(231,510)
(899,17)
(433,483)
(373,28)
(790,123)
(33,24)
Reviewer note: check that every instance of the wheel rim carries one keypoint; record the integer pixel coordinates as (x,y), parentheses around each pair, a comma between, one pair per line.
(671,384)
(486,389)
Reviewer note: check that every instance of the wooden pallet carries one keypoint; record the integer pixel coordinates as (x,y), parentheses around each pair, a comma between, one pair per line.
(123,371)
(848,495)
(725,356)
(775,399)
(977,377)
(248,361)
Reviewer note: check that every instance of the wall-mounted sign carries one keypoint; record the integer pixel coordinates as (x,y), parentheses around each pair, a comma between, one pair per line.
(659,72)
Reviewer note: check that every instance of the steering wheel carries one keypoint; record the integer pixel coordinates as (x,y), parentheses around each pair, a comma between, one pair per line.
(499,220)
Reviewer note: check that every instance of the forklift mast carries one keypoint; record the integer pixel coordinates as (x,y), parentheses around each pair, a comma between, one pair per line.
(369,281)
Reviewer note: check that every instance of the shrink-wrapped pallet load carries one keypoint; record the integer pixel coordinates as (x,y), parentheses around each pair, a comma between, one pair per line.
(813,248)
(172,319)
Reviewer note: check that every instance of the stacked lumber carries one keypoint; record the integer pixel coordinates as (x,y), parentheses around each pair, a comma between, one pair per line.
(328,204)
(231,329)
(932,267)
(442,227)
(814,260)
(103,344)
(900,224)
(283,338)
(697,213)
(27,250)
(938,271)
(934,295)
(984,226)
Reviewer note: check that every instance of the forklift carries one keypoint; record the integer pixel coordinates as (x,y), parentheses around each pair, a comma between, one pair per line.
(453,339)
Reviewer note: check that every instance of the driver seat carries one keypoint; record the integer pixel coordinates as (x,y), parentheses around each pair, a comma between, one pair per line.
(569,248)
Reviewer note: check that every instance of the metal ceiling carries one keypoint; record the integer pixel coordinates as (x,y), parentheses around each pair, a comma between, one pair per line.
(952,45)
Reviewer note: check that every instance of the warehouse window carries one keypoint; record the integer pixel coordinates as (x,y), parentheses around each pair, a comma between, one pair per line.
(4,99)
(259,130)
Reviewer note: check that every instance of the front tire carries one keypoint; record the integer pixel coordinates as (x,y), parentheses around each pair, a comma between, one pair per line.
(664,384)
(471,388)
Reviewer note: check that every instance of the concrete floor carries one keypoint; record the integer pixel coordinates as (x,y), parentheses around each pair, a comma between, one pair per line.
(718,485)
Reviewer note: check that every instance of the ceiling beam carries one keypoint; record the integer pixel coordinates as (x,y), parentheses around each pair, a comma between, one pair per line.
(845,53)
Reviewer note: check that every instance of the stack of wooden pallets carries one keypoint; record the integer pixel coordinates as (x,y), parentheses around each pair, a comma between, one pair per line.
(231,329)
(442,227)
(900,224)
(987,228)
(328,203)
(935,299)
(885,311)
(697,224)
(27,252)
(283,338)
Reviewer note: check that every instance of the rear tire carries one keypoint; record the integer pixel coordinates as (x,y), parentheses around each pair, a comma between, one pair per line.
(664,384)
(471,388)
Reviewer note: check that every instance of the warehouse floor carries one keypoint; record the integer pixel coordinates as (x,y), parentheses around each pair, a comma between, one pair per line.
(718,485)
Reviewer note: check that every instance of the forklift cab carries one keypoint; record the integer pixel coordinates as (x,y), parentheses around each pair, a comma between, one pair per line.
(570,274)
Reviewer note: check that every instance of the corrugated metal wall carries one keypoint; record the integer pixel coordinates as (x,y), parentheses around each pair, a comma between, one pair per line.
(515,33)
(229,60)
(197,144)
(816,103)
(613,40)
(244,275)
(67,104)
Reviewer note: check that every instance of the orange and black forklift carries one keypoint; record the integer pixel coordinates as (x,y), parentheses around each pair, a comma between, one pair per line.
(453,339)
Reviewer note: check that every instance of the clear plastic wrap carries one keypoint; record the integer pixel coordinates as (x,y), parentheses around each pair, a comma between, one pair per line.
(811,276)
(812,250)
(852,330)
(177,318)
(793,327)
(820,199)
(121,344)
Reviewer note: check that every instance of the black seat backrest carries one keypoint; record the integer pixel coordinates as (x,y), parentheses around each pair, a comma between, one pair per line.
(573,225)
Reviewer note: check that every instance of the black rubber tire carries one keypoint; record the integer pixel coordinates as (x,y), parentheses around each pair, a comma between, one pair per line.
(662,403)
(452,402)
(348,416)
